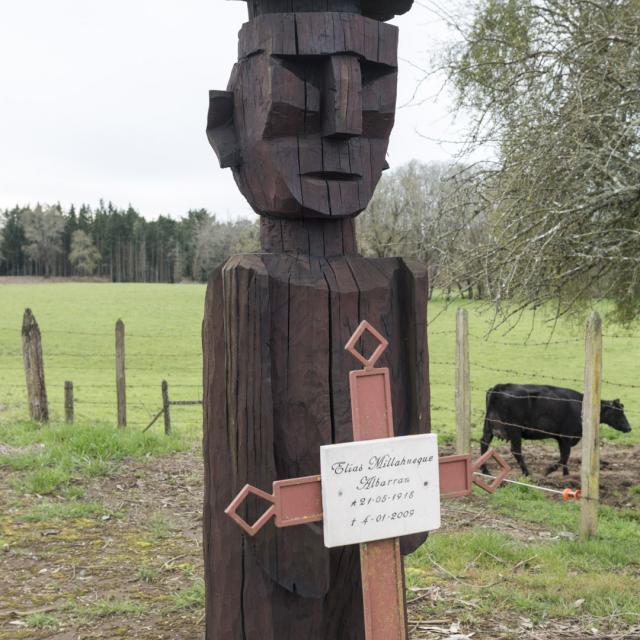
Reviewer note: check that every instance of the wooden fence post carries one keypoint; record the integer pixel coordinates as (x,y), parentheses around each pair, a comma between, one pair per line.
(165,408)
(463,384)
(68,402)
(590,471)
(121,386)
(34,368)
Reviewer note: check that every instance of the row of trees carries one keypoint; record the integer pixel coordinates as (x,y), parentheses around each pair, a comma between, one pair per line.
(415,212)
(118,244)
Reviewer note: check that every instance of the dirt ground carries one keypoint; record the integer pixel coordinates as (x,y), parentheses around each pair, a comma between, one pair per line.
(135,570)
(619,468)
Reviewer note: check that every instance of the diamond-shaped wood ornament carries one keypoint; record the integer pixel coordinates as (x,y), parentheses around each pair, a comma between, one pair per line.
(370,362)
(490,487)
(293,502)
(240,498)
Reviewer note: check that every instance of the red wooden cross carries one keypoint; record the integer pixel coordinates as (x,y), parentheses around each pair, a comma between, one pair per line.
(299,500)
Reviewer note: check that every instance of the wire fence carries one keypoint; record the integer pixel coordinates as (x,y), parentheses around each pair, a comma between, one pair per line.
(87,359)
(543,399)
(92,371)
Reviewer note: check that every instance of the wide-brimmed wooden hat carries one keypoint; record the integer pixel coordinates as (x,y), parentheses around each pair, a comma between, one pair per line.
(376,9)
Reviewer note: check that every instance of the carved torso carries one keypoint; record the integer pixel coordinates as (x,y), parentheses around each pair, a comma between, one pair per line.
(304,125)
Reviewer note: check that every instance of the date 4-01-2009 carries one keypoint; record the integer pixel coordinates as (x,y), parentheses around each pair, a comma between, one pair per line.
(381,517)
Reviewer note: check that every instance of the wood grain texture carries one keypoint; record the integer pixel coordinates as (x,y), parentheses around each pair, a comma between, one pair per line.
(68,402)
(166,408)
(304,125)
(34,368)
(305,120)
(590,469)
(376,9)
(314,237)
(276,389)
(121,382)
(319,34)
(463,384)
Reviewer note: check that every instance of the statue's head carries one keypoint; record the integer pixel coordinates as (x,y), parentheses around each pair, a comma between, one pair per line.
(310,105)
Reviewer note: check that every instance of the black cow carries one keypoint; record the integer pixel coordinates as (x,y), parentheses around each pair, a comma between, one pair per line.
(535,412)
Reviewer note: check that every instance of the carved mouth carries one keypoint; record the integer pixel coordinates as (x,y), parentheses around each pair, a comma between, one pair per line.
(333,175)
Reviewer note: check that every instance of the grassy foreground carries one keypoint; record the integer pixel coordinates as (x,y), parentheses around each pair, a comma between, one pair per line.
(535,566)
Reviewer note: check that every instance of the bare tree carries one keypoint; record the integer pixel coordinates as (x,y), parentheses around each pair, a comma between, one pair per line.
(553,86)
(84,255)
(43,227)
(427,211)
(214,242)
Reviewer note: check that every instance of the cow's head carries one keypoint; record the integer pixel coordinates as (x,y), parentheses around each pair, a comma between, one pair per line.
(612,413)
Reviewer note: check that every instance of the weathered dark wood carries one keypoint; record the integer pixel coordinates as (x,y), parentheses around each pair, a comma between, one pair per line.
(166,408)
(275,328)
(342,113)
(324,238)
(153,420)
(34,368)
(304,125)
(121,383)
(463,384)
(590,468)
(68,402)
(314,144)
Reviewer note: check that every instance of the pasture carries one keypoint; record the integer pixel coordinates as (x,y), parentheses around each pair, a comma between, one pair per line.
(100,529)
(163,342)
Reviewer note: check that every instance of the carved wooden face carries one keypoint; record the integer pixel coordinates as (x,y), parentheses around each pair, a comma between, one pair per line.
(305,124)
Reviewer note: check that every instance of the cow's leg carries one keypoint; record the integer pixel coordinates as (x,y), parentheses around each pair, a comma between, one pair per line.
(487,437)
(516,450)
(565,450)
(556,465)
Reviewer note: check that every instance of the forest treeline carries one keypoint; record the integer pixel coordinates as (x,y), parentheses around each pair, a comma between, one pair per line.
(412,214)
(117,244)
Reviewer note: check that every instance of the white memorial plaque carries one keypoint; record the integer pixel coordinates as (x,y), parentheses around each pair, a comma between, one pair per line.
(378,489)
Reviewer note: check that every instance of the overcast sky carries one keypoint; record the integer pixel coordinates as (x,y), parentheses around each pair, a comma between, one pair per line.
(109,99)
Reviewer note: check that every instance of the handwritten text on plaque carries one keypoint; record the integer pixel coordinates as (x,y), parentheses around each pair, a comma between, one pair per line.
(379,489)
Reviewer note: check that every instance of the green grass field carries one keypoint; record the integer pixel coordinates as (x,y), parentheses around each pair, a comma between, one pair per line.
(163,342)
(510,556)
(77,322)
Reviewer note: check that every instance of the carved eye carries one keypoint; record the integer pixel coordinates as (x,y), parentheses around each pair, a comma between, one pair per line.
(295,98)
(379,86)
(372,71)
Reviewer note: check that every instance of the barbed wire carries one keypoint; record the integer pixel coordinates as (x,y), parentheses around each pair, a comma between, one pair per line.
(525,373)
(110,334)
(522,427)
(104,403)
(510,343)
(104,354)
(111,387)
(58,367)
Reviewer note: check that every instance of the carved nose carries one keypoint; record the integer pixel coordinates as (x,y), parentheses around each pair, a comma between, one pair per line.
(342,100)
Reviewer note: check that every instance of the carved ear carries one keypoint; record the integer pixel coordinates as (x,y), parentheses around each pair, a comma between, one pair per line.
(221,130)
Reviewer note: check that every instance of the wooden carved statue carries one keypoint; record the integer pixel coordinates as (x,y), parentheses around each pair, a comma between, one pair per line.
(304,125)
